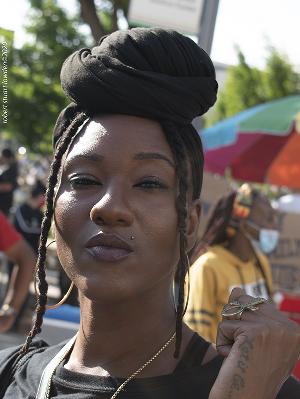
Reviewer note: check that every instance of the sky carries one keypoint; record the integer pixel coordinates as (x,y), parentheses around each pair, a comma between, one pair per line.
(255,24)
(252,25)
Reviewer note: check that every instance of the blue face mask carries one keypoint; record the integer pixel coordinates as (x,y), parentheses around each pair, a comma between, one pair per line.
(268,239)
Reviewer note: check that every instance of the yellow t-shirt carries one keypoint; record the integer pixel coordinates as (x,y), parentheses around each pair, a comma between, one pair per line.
(212,277)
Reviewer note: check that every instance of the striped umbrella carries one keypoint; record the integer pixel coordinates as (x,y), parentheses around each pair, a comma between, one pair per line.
(260,144)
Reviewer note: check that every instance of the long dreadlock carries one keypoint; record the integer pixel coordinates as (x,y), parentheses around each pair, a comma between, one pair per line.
(185,146)
(46,224)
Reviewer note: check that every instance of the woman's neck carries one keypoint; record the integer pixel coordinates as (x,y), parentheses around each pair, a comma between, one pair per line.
(117,339)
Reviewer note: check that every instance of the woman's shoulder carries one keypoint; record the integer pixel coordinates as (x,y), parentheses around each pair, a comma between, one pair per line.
(22,373)
(39,354)
(12,352)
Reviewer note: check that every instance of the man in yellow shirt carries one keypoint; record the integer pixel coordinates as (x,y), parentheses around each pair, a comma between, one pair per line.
(243,225)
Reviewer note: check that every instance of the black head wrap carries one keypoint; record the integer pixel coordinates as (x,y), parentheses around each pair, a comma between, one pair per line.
(152,73)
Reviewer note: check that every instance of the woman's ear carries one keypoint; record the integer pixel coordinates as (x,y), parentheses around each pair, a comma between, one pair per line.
(193,222)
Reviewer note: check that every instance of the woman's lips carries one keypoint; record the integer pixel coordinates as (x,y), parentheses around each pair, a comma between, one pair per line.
(108,254)
(108,247)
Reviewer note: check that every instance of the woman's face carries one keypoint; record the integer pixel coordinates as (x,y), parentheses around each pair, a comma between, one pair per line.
(118,181)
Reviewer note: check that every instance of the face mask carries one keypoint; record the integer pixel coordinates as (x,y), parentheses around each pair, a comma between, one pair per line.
(268,239)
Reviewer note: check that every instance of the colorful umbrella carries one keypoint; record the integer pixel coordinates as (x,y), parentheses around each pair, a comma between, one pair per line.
(261,144)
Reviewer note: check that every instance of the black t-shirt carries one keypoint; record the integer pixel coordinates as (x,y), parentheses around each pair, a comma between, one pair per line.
(27,222)
(8,175)
(189,380)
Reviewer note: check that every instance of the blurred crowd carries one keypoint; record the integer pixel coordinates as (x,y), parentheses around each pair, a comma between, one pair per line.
(22,200)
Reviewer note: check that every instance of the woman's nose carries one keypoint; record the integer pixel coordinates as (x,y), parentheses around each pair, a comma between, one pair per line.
(111,209)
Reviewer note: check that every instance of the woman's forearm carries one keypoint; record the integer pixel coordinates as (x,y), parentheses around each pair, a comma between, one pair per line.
(22,275)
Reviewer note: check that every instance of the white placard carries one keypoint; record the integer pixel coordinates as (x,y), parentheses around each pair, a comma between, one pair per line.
(181,15)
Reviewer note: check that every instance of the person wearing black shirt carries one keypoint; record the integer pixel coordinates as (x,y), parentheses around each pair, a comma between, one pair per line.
(8,179)
(124,192)
(28,216)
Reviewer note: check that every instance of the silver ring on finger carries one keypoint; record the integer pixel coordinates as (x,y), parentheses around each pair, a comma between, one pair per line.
(235,309)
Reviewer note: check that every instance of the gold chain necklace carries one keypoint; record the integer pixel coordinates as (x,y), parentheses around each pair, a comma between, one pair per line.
(121,387)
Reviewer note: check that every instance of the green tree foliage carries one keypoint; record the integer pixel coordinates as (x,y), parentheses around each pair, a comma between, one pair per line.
(280,79)
(247,86)
(35,95)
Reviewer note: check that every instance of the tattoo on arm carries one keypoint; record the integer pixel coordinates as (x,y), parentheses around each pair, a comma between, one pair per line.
(238,380)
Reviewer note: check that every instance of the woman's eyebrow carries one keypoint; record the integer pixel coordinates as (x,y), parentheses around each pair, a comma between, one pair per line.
(153,155)
(84,157)
(98,158)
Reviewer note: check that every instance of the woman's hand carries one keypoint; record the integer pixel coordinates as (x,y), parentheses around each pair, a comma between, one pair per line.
(261,351)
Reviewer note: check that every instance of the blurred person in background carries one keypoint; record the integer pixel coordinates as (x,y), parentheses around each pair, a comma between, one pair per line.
(28,216)
(8,179)
(27,220)
(240,231)
(17,250)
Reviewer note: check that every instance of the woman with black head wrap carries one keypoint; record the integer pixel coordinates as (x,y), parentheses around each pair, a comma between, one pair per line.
(124,191)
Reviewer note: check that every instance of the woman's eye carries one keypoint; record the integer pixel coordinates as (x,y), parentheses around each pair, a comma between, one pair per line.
(152,184)
(82,182)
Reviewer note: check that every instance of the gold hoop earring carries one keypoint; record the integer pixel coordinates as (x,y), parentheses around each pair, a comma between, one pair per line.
(63,300)
(48,245)
(65,297)
(189,284)
(174,296)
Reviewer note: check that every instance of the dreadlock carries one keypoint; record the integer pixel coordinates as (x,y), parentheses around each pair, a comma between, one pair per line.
(184,145)
(46,224)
